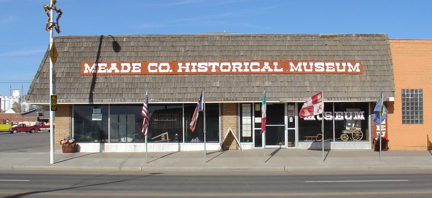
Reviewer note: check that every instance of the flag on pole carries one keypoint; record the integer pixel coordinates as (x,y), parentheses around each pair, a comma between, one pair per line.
(198,109)
(312,106)
(380,111)
(144,113)
(263,113)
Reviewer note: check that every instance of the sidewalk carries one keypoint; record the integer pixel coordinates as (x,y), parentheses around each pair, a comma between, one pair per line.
(248,160)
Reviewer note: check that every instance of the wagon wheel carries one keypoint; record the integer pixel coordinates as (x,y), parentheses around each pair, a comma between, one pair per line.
(357,135)
(344,137)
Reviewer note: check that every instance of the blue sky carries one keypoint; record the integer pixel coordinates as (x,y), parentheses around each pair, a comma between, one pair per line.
(23,39)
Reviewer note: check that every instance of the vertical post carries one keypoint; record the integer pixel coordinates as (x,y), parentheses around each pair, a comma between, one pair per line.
(51,89)
(146,149)
(322,125)
(146,134)
(204,114)
(381,97)
(264,100)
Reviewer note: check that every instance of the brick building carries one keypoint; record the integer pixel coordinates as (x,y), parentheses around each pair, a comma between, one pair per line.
(101,83)
(410,123)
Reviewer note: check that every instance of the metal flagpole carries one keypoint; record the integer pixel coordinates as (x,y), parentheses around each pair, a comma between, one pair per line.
(380,109)
(205,139)
(146,133)
(146,149)
(264,132)
(51,88)
(322,124)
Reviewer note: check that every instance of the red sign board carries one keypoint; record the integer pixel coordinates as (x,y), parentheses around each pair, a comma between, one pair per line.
(383,129)
(221,67)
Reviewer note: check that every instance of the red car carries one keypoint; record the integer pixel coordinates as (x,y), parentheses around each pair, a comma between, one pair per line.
(24,128)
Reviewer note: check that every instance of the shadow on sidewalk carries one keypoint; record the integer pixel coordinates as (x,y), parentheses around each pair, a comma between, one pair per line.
(273,154)
(163,156)
(220,153)
(76,157)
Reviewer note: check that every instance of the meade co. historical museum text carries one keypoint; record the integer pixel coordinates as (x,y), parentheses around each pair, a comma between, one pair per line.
(222,67)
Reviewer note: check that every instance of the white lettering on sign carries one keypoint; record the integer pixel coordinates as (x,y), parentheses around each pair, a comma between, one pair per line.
(339,115)
(88,69)
(329,67)
(223,67)
(113,68)
(103,68)
(383,129)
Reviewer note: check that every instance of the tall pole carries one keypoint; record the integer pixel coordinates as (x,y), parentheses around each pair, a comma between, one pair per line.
(146,149)
(322,125)
(205,131)
(146,133)
(264,102)
(51,89)
(380,112)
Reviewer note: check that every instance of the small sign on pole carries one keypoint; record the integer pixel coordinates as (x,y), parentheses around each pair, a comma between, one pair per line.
(53,102)
(53,53)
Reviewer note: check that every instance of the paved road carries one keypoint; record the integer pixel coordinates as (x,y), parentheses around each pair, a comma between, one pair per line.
(21,142)
(139,184)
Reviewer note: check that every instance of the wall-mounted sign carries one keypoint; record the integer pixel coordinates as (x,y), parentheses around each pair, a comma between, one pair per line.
(222,67)
(97,115)
(338,115)
(53,102)
(382,129)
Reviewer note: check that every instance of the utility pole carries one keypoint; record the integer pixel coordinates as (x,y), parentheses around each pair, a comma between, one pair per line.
(53,53)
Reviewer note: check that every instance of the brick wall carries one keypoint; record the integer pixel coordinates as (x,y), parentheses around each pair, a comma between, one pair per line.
(63,124)
(412,65)
(229,119)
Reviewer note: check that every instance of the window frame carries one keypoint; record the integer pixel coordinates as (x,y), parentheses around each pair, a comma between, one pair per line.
(412,106)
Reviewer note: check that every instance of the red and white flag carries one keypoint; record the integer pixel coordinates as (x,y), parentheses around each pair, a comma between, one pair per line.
(263,113)
(144,113)
(312,106)
(198,109)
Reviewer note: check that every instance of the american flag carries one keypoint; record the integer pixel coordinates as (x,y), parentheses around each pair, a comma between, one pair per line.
(198,109)
(144,113)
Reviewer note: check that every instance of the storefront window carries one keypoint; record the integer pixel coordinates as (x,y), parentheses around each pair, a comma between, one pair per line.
(165,123)
(125,123)
(257,121)
(90,123)
(350,121)
(246,123)
(310,127)
(212,124)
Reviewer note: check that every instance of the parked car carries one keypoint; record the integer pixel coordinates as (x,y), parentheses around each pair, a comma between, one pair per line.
(43,127)
(32,129)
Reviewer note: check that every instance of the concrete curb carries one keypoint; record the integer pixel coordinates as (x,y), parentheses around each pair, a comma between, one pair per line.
(214,168)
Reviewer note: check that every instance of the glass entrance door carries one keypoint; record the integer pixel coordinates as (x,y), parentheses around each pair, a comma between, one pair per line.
(291,109)
(275,134)
(275,127)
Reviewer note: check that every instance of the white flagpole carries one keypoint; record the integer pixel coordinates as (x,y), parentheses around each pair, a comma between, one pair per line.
(322,125)
(204,114)
(145,134)
(146,149)
(264,132)
(52,113)
(380,109)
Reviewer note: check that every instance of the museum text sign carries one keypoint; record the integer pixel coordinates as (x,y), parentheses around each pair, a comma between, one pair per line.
(221,67)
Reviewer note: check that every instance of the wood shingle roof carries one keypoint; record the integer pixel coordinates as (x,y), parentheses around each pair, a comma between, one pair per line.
(372,49)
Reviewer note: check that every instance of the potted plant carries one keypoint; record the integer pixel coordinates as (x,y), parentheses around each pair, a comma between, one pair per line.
(68,145)
(384,144)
